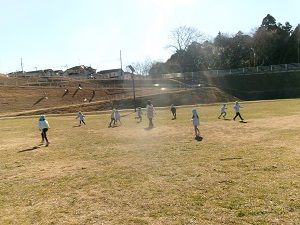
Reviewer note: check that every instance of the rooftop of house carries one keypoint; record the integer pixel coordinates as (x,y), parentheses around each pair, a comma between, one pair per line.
(109,71)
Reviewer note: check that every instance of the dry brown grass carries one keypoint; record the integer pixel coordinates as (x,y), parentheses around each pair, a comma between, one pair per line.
(239,173)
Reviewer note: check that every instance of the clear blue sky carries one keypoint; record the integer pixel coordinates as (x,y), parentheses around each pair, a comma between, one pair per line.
(50,34)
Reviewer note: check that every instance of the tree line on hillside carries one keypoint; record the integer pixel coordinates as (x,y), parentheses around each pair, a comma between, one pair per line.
(270,44)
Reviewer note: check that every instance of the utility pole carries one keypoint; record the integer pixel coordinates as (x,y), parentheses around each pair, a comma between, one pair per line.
(22,66)
(298,45)
(133,88)
(121,63)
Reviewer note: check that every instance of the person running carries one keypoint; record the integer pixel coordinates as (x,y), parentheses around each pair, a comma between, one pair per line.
(150,111)
(43,126)
(112,119)
(223,111)
(237,107)
(117,117)
(196,122)
(139,114)
(173,110)
(81,117)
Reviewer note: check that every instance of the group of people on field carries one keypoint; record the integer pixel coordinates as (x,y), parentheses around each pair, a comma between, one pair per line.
(236,108)
(115,118)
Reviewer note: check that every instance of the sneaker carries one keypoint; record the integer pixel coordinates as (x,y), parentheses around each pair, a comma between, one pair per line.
(47,143)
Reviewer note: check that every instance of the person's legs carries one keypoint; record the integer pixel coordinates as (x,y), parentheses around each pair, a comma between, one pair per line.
(196,130)
(45,134)
(83,122)
(111,120)
(150,122)
(240,116)
(235,116)
(42,134)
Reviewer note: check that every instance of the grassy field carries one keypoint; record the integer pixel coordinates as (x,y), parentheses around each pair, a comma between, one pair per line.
(237,173)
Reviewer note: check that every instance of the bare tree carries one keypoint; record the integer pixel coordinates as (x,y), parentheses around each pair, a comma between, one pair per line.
(143,67)
(183,36)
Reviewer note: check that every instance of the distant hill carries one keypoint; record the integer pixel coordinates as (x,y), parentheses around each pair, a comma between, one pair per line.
(26,96)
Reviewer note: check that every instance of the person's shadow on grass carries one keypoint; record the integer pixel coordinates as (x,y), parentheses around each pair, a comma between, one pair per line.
(38,101)
(30,149)
(149,128)
(198,138)
(76,92)
(65,93)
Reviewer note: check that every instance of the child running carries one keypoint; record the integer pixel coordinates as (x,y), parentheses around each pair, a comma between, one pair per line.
(223,111)
(112,119)
(43,126)
(117,117)
(237,107)
(81,117)
(196,122)
(150,111)
(139,114)
(173,110)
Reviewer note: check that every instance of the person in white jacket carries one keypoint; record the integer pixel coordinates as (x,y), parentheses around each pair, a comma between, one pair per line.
(196,122)
(117,117)
(43,126)
(150,111)
(237,107)
(81,117)
(223,111)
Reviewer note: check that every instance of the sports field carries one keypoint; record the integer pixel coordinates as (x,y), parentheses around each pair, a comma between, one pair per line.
(236,173)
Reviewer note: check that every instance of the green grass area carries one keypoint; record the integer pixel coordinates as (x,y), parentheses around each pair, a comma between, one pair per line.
(238,173)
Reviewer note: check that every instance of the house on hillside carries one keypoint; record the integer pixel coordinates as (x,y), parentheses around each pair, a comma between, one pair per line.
(113,73)
(79,72)
(58,72)
(16,74)
(39,73)
(128,76)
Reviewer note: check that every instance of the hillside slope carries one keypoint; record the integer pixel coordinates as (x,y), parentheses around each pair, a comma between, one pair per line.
(29,100)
